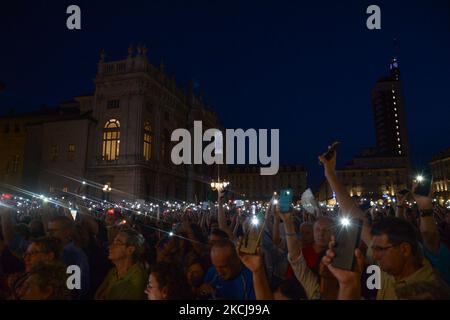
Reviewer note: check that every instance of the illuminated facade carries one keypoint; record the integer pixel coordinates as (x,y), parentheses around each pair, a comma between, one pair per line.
(440,169)
(120,135)
(246,181)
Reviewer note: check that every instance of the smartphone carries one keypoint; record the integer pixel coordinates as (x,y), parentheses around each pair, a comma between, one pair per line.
(348,237)
(251,239)
(205,205)
(239,203)
(285,200)
(423,186)
(331,150)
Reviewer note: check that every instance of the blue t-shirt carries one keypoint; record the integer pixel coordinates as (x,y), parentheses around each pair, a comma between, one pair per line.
(441,261)
(239,288)
(73,255)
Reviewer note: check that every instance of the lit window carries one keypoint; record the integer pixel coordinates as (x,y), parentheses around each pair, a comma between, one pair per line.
(54,152)
(396,121)
(396,115)
(399,146)
(395,109)
(395,102)
(394,97)
(398,133)
(147,141)
(165,144)
(111,140)
(393,91)
(399,151)
(71,152)
(398,139)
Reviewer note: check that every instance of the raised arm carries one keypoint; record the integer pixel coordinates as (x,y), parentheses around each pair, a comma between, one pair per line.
(428,226)
(221,218)
(260,282)
(345,201)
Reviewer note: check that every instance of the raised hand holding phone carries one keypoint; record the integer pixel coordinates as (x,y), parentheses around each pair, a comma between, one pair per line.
(285,200)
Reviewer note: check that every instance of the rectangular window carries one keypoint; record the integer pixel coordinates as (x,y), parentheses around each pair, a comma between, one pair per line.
(121,67)
(16,163)
(113,104)
(109,68)
(54,152)
(71,152)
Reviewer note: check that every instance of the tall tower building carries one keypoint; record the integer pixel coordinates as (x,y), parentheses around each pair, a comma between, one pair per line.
(389,114)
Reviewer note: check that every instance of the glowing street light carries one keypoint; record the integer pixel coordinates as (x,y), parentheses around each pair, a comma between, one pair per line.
(219,185)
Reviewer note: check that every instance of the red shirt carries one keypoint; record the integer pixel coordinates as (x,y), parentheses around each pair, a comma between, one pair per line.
(311,258)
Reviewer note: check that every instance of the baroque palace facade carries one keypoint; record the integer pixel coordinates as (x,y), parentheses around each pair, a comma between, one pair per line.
(118,136)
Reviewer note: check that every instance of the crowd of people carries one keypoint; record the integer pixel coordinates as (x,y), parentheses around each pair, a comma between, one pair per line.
(181,251)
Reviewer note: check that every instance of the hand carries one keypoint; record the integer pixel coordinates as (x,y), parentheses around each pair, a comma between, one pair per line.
(329,165)
(286,217)
(253,262)
(344,277)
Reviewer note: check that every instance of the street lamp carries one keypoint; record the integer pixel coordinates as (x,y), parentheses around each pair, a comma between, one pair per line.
(219,185)
(107,189)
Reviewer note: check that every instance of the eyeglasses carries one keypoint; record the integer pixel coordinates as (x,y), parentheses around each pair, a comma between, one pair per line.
(32,253)
(118,243)
(379,249)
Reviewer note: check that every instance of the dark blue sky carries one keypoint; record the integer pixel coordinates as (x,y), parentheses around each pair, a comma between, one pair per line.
(304,67)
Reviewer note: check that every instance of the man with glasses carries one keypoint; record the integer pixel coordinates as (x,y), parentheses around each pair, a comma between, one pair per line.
(127,279)
(393,241)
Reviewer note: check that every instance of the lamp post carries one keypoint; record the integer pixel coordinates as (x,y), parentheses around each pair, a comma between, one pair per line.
(106,190)
(219,185)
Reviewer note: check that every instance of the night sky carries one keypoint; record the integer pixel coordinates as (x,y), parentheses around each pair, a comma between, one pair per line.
(307,68)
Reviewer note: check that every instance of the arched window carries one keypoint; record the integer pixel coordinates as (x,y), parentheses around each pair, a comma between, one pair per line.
(147,141)
(111,140)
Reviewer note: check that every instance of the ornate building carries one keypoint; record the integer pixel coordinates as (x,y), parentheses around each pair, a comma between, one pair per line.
(13,134)
(440,169)
(121,136)
(137,107)
(370,177)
